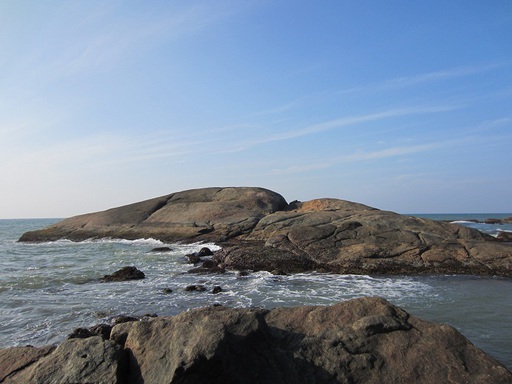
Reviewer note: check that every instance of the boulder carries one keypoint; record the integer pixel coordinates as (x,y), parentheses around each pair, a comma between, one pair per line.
(258,230)
(124,274)
(365,340)
(205,251)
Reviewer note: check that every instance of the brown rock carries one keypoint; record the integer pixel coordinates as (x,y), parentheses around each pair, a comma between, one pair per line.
(90,360)
(199,214)
(15,359)
(360,341)
(504,236)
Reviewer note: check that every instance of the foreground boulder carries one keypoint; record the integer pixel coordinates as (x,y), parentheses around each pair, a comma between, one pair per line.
(364,340)
(258,230)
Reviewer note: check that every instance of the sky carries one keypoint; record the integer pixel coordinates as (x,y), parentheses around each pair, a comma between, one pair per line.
(401,105)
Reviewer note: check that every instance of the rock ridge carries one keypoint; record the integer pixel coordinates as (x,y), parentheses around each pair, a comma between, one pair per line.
(365,340)
(258,230)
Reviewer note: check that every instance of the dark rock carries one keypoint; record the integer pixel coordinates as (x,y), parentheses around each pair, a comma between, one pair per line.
(124,319)
(161,249)
(102,330)
(81,333)
(504,236)
(124,274)
(195,288)
(209,264)
(167,290)
(242,274)
(193,258)
(216,289)
(204,252)
(493,221)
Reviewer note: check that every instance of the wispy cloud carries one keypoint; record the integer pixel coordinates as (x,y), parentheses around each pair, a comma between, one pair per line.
(142,30)
(422,78)
(339,123)
(441,75)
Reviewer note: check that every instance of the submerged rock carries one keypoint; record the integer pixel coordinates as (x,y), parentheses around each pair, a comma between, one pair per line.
(195,288)
(161,249)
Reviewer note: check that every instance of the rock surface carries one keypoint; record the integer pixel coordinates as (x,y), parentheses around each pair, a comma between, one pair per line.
(90,360)
(258,230)
(364,340)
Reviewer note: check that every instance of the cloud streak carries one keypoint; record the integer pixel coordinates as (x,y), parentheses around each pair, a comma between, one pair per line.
(342,122)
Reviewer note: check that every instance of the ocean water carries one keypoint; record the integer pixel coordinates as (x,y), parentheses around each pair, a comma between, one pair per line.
(49,289)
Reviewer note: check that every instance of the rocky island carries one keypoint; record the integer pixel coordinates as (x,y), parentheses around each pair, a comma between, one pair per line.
(259,230)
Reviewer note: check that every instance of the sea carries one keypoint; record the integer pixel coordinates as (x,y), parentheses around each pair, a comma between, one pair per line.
(49,289)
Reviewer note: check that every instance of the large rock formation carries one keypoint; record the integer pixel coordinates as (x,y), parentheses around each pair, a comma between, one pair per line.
(214,214)
(258,230)
(364,340)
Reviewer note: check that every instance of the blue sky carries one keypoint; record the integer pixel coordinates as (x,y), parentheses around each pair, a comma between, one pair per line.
(401,105)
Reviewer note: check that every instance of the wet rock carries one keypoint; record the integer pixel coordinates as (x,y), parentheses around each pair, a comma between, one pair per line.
(195,288)
(81,333)
(124,319)
(216,289)
(209,264)
(124,274)
(205,251)
(193,258)
(167,290)
(504,236)
(161,249)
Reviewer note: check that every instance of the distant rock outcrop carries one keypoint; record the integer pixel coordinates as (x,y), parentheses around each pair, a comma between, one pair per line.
(365,340)
(258,230)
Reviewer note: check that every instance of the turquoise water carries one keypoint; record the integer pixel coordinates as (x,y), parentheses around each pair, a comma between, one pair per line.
(48,289)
